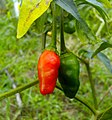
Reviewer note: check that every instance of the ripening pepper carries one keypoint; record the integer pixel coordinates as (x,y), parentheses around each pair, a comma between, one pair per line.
(69,74)
(48,66)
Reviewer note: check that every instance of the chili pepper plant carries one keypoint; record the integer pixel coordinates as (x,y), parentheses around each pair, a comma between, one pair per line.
(58,65)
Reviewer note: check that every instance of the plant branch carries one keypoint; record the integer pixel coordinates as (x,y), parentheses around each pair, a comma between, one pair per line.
(44,40)
(54,23)
(28,85)
(92,85)
(18,97)
(17,90)
(84,102)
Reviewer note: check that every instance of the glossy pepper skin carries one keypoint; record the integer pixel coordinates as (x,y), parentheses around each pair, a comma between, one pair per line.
(48,66)
(69,74)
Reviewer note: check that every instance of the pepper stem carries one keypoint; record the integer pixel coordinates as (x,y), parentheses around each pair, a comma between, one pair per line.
(43,40)
(54,24)
(84,102)
(63,48)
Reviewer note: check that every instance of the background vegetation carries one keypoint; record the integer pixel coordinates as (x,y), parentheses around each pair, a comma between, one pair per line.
(18,65)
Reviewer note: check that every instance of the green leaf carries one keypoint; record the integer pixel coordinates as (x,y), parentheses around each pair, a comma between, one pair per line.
(105,60)
(29,12)
(106,3)
(99,7)
(70,7)
(107,115)
(103,46)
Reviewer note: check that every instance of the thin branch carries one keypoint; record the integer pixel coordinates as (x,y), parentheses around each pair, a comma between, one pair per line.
(92,85)
(28,85)
(54,26)
(44,40)
(101,25)
(84,102)
(17,90)
(18,97)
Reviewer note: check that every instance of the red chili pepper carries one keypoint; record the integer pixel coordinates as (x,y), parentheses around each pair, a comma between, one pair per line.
(48,66)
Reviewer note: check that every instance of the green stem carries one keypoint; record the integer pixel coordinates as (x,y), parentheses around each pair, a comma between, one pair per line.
(92,86)
(63,48)
(84,102)
(17,90)
(28,85)
(43,40)
(54,23)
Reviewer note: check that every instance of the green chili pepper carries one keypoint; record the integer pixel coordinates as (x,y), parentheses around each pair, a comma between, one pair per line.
(69,68)
(69,74)
(69,27)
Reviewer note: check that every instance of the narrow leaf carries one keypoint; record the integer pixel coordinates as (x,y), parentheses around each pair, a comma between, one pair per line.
(106,3)
(70,7)
(103,46)
(100,9)
(29,12)
(97,5)
(105,60)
